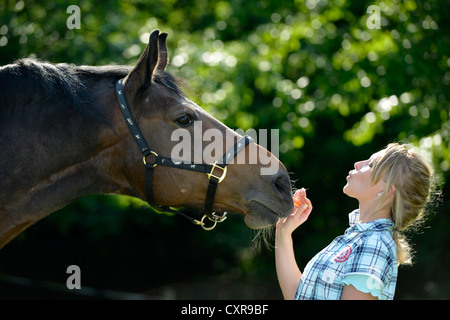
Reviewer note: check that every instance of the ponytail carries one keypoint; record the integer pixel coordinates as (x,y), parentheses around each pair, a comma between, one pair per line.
(411,177)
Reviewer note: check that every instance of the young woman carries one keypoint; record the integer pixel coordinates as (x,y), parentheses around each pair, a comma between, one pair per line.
(392,187)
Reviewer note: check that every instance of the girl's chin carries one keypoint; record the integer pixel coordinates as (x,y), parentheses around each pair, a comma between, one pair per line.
(346,190)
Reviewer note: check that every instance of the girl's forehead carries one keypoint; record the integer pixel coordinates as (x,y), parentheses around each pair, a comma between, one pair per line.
(376,155)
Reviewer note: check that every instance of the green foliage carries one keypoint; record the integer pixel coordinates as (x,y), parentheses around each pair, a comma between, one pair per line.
(337,91)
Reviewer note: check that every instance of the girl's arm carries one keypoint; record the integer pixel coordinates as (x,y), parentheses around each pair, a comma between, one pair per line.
(351,293)
(287,270)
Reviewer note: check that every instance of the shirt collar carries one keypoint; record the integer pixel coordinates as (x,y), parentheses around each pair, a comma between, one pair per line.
(375,225)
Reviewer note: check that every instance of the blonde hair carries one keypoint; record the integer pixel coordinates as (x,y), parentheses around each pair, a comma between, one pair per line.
(412,178)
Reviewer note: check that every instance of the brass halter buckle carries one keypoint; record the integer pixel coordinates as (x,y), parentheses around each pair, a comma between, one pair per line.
(214,166)
(215,218)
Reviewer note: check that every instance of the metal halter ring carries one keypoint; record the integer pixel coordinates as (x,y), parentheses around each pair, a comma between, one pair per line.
(155,154)
(215,219)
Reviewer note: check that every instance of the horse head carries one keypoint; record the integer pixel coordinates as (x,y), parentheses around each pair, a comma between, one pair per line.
(177,128)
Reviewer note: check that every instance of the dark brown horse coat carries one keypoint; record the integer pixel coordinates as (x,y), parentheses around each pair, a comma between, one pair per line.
(62,136)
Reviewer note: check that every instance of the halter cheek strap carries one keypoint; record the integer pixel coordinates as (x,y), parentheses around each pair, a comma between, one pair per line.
(216,172)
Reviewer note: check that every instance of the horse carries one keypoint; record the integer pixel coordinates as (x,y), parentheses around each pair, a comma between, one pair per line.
(63,136)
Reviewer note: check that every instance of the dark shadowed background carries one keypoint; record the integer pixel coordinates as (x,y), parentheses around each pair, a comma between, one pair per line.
(336,88)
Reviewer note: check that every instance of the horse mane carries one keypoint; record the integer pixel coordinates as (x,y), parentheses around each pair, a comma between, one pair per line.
(28,81)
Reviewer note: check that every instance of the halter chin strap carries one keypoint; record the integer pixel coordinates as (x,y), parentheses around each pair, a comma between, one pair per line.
(215,172)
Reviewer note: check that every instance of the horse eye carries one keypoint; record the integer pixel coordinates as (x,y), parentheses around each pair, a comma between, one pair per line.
(184,121)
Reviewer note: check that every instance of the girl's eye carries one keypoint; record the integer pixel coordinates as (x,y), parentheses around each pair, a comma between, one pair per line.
(184,121)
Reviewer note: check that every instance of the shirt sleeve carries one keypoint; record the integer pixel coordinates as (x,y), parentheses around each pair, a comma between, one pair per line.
(364,283)
(373,259)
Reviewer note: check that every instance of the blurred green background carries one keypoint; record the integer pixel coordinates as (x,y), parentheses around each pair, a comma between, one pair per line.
(337,90)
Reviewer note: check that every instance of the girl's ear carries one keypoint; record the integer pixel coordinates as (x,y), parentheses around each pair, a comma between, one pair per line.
(391,190)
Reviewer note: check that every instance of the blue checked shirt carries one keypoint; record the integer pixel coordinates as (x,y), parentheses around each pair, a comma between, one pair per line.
(365,252)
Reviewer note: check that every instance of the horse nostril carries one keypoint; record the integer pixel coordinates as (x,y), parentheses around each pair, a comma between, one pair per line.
(282,184)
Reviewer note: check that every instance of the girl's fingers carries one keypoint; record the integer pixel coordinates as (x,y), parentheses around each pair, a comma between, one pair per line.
(308,202)
(305,209)
(298,217)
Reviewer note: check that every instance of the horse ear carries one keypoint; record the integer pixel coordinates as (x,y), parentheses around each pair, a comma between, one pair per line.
(141,75)
(163,59)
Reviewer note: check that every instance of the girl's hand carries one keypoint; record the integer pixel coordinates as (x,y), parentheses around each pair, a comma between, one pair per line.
(298,217)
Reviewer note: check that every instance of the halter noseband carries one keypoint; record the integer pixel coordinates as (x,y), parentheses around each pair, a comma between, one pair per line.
(216,171)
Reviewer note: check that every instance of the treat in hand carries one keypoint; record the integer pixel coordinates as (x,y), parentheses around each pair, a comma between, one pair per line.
(298,199)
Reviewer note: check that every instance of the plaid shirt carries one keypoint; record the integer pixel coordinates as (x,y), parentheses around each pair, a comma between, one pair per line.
(366,249)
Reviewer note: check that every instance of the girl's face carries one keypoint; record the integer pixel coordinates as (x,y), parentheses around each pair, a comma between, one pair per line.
(359,184)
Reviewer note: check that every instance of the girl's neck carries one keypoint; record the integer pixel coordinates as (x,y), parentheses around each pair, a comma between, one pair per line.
(369,211)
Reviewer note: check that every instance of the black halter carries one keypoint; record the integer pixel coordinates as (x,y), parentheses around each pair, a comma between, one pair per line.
(216,171)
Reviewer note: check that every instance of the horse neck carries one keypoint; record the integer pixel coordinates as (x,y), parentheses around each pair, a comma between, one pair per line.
(51,161)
